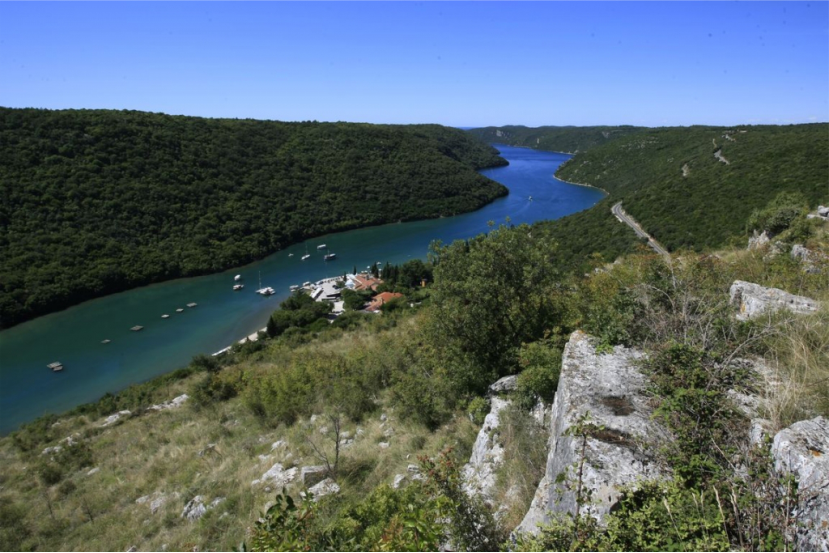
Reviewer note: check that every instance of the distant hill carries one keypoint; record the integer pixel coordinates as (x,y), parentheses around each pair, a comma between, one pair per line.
(690,187)
(97,201)
(695,187)
(569,140)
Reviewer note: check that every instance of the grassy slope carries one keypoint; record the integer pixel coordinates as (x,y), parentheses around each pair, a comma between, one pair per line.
(167,452)
(96,202)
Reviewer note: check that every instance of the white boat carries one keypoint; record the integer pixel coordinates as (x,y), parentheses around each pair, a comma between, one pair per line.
(56,366)
(306,256)
(290,255)
(237,278)
(321,247)
(295,287)
(237,287)
(165,316)
(306,283)
(329,256)
(267,290)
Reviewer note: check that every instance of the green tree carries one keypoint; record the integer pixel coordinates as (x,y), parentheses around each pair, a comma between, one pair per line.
(491,294)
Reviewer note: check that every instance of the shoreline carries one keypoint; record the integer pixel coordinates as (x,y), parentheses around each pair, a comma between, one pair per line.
(580,183)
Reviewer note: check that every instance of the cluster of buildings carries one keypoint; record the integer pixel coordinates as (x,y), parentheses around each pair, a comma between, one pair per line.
(328,290)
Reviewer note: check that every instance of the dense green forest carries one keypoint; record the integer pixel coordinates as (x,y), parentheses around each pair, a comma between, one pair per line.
(97,201)
(556,139)
(674,182)
(695,187)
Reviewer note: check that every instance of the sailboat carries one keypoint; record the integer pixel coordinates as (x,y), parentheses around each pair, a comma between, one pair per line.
(307,255)
(267,291)
(329,256)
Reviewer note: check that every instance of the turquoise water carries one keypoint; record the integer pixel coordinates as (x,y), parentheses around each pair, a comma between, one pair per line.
(29,389)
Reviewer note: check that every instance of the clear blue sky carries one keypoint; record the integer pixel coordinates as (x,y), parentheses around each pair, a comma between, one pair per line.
(462,64)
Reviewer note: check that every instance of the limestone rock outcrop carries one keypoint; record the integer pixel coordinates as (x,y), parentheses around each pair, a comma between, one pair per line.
(479,473)
(754,300)
(611,388)
(802,449)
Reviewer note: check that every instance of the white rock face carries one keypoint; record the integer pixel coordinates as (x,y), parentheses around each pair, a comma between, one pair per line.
(754,300)
(479,473)
(277,476)
(172,404)
(611,388)
(112,419)
(803,450)
(823,211)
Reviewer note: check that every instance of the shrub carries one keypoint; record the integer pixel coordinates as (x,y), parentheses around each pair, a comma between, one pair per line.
(541,364)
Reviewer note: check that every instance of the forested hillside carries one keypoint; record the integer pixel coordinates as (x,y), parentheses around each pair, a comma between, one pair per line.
(96,201)
(696,187)
(556,139)
(690,187)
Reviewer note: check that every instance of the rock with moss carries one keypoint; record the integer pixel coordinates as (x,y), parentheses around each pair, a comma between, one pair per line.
(601,422)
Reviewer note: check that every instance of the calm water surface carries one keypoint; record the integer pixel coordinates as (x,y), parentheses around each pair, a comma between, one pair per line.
(28,389)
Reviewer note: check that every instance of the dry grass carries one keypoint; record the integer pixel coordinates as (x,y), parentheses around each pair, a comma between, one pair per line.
(213,452)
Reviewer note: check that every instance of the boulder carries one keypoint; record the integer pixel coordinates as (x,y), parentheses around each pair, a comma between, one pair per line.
(112,419)
(172,404)
(504,385)
(323,488)
(399,480)
(277,476)
(754,300)
(479,473)
(802,449)
(313,474)
(823,211)
(620,434)
(757,241)
(194,509)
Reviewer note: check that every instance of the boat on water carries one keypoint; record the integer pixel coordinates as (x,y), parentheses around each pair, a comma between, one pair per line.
(306,256)
(329,256)
(106,341)
(237,287)
(295,287)
(56,366)
(290,255)
(322,247)
(267,290)
(237,278)
(165,316)
(192,304)
(179,310)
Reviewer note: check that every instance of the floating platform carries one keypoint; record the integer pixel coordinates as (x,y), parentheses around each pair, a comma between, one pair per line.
(136,328)
(192,304)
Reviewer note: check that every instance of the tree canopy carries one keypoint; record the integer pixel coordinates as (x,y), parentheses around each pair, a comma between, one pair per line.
(98,201)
